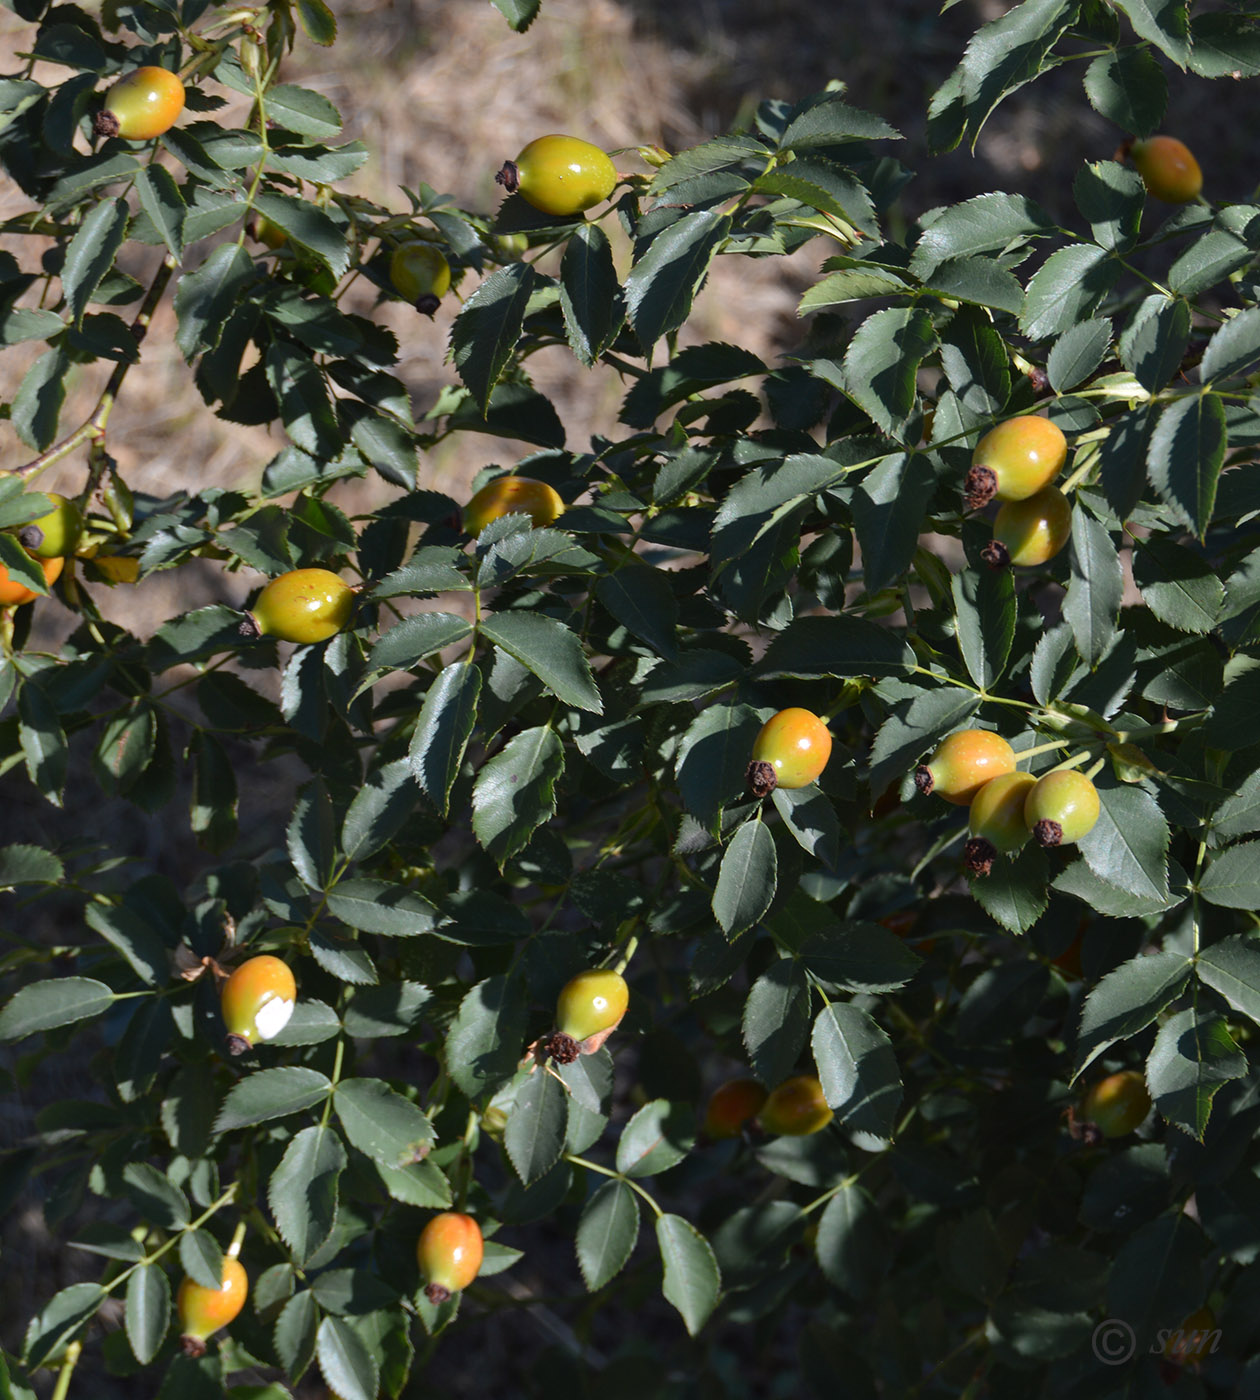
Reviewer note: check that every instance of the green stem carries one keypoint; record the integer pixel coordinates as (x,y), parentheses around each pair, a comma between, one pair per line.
(616,1176)
(73,1352)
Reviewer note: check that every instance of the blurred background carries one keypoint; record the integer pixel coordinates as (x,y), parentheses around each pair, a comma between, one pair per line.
(441,91)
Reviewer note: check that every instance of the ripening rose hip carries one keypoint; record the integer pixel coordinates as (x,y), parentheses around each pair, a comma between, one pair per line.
(589,1008)
(512,495)
(1118,1104)
(1061,808)
(1168,169)
(1014,460)
(420,274)
(963,763)
(303,606)
(203,1311)
(731,1105)
(791,751)
(560,175)
(56,534)
(142,105)
(449,1252)
(797,1108)
(13,592)
(1031,531)
(997,821)
(257,1002)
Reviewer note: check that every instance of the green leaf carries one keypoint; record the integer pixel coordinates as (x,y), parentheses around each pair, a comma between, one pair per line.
(1126,1001)
(271,1093)
(1186,454)
(1163,23)
(852,1243)
(1233,348)
(411,640)
(1128,846)
(302,1192)
(312,839)
(305,112)
(534,1136)
(443,729)
(746,881)
(1224,46)
(158,1199)
(483,1045)
(1110,196)
(1232,968)
(303,222)
(1238,815)
(821,184)
(515,791)
(976,365)
(29,865)
(390,446)
(348,1366)
(984,603)
(379,809)
(204,298)
(64,1314)
(692,1279)
(809,816)
(658,1137)
(590,296)
(1233,878)
(607,1233)
(1067,288)
(489,325)
(1096,589)
(1077,354)
(1154,342)
(143,948)
(1128,87)
(317,21)
(857,1069)
(91,252)
(295,1333)
(1177,584)
(1231,725)
(642,600)
(37,403)
(834,646)
(391,1009)
(989,223)
(888,506)
(374,906)
(1193,1055)
(59,1001)
(859,957)
(420,1184)
(302,394)
(663,282)
(550,650)
(381,1123)
(882,362)
(776,1020)
(201,1258)
(520,14)
(162,202)
(148,1311)
(213,801)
